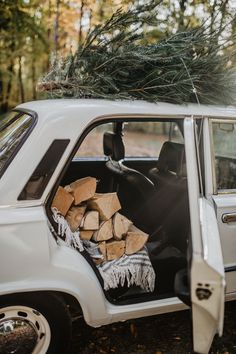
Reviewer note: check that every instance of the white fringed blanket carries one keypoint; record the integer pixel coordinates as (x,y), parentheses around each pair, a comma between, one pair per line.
(135,269)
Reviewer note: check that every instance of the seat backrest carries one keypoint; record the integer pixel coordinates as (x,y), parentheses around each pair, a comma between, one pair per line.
(170,179)
(113,146)
(171,164)
(171,158)
(134,188)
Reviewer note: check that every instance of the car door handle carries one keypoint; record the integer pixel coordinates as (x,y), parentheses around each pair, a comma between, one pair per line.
(229,217)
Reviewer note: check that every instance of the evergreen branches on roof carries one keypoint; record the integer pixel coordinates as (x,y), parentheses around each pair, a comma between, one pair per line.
(113,63)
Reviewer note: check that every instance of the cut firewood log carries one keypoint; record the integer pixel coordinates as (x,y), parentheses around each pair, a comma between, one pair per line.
(103,250)
(62,201)
(106,204)
(90,220)
(135,240)
(105,231)
(121,225)
(86,234)
(115,249)
(82,189)
(98,261)
(75,216)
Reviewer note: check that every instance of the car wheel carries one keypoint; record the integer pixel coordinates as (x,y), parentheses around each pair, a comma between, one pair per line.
(34,323)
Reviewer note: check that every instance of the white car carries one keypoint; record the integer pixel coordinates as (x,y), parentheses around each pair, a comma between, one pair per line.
(174,170)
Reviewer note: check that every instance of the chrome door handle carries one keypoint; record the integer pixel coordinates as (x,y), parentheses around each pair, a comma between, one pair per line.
(230,217)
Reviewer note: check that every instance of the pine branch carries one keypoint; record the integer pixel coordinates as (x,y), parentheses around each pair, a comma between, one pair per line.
(112,63)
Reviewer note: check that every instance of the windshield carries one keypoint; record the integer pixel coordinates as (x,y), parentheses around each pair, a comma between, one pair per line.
(13,128)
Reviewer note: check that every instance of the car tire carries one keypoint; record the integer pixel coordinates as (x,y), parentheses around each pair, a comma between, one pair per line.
(34,322)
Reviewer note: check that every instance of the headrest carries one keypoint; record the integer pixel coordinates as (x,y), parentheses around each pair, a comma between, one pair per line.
(172,158)
(113,146)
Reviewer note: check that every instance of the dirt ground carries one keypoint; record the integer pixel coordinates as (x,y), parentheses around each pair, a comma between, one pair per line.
(162,334)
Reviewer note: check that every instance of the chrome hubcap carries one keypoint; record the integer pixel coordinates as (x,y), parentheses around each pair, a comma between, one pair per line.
(23,330)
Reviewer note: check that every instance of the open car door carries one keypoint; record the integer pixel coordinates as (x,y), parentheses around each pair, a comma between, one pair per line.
(206,269)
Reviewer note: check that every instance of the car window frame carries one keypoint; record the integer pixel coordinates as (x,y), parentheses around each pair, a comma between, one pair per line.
(212,120)
(34,117)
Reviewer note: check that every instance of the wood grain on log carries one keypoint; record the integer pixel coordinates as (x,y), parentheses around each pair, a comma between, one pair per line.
(62,201)
(106,204)
(103,249)
(75,216)
(90,220)
(105,231)
(115,249)
(86,234)
(135,240)
(83,189)
(121,225)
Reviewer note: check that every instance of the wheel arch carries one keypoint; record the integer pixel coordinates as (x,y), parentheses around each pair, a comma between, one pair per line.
(69,300)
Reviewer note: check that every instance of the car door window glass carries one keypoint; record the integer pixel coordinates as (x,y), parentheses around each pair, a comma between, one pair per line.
(224,145)
(92,145)
(145,139)
(14,128)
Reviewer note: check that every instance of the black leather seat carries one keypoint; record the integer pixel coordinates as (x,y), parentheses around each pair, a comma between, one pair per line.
(134,189)
(171,165)
(170,180)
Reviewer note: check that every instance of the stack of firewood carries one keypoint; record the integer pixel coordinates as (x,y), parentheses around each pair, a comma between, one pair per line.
(96,217)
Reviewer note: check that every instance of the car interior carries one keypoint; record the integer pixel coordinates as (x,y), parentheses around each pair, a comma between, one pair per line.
(152,190)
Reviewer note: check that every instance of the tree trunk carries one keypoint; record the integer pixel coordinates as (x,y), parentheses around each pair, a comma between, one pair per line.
(10,69)
(33,71)
(80,22)
(1,92)
(56,28)
(21,85)
(182,5)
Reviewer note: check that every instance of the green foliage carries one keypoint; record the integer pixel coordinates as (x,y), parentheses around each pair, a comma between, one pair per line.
(115,63)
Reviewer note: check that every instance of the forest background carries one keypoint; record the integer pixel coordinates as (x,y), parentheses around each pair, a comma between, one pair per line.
(32,31)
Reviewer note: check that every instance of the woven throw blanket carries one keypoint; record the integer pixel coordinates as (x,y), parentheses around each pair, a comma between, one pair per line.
(135,269)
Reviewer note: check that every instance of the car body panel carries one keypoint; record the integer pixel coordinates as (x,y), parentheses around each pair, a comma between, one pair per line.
(207,268)
(30,258)
(223,203)
(55,117)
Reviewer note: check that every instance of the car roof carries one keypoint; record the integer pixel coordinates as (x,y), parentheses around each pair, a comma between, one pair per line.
(94,108)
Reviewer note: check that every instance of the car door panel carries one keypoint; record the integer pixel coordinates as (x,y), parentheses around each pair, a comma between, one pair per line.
(225,205)
(206,270)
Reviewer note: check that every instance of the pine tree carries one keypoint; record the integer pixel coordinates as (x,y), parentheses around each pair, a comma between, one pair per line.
(113,63)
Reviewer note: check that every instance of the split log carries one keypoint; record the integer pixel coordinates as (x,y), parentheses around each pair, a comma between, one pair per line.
(105,231)
(82,189)
(121,225)
(75,216)
(103,250)
(98,261)
(90,221)
(62,201)
(106,204)
(115,249)
(135,240)
(86,234)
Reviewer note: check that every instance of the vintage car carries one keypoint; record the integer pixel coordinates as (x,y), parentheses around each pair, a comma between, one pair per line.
(173,168)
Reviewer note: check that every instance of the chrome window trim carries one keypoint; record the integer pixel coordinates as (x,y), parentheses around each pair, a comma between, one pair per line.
(217,191)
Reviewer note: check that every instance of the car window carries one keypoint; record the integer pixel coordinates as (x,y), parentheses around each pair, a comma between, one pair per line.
(146,138)
(141,139)
(14,128)
(224,145)
(92,145)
